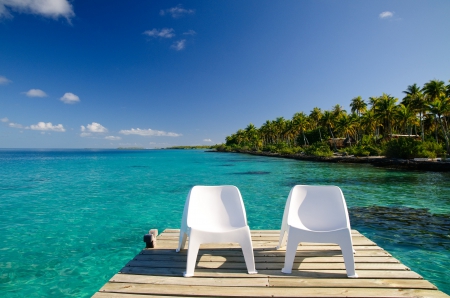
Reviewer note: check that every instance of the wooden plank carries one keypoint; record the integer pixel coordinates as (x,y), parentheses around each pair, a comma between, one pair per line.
(207,281)
(319,271)
(183,290)
(268,266)
(177,231)
(277,282)
(223,272)
(264,259)
(265,246)
(265,253)
(123,295)
(351,282)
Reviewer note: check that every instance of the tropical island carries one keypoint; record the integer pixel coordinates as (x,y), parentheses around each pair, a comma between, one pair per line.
(414,129)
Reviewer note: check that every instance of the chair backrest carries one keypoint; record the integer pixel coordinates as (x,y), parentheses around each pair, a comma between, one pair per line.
(215,208)
(318,208)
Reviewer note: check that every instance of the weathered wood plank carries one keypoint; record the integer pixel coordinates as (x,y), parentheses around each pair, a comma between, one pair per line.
(223,272)
(177,231)
(207,281)
(267,246)
(262,239)
(277,282)
(319,271)
(264,259)
(267,266)
(153,289)
(266,253)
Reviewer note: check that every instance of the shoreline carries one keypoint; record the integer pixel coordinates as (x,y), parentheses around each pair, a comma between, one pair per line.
(376,161)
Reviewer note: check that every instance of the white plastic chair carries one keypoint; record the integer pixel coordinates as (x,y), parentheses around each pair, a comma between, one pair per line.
(215,214)
(316,214)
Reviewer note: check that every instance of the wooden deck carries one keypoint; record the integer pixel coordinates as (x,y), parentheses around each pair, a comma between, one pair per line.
(318,271)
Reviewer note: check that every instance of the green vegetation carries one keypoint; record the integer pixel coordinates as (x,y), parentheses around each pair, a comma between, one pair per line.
(192,147)
(131,148)
(417,126)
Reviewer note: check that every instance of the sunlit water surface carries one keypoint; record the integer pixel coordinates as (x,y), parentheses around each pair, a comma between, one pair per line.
(70,219)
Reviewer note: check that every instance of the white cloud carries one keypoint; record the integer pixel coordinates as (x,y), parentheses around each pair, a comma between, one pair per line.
(69,98)
(85,134)
(163,33)
(15,125)
(179,45)
(177,11)
(35,92)
(3,80)
(113,138)
(207,140)
(190,32)
(47,126)
(94,127)
(149,133)
(386,14)
(4,120)
(47,8)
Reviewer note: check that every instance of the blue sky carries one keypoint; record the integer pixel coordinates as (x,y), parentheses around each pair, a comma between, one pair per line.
(108,74)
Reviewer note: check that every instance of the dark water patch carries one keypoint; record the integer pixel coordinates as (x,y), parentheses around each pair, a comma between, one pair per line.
(139,167)
(252,173)
(37,180)
(405,226)
(226,165)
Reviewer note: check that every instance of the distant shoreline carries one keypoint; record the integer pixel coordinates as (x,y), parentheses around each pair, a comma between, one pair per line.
(376,161)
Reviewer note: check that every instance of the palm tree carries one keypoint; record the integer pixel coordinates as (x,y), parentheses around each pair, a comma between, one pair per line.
(369,122)
(338,111)
(434,89)
(301,123)
(416,101)
(315,116)
(358,106)
(406,117)
(384,109)
(345,124)
(328,121)
(439,108)
(279,127)
(252,136)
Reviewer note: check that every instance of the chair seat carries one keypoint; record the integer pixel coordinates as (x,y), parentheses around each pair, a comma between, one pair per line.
(215,214)
(316,214)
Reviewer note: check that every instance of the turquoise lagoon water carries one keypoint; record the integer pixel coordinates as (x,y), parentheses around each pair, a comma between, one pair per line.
(70,219)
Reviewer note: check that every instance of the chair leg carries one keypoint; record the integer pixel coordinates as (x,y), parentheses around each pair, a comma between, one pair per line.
(282,237)
(291,249)
(181,241)
(349,259)
(247,250)
(193,248)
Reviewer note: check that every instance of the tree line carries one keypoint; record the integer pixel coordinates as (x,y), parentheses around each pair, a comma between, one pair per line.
(422,115)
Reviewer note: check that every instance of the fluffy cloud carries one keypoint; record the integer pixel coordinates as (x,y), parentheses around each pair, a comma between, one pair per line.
(35,92)
(176,12)
(386,14)
(69,98)
(207,140)
(3,80)
(47,8)
(113,138)
(94,127)
(163,33)
(190,32)
(47,126)
(179,45)
(15,125)
(4,120)
(149,133)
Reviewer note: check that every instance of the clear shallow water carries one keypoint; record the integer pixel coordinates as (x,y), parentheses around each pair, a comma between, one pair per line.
(70,219)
